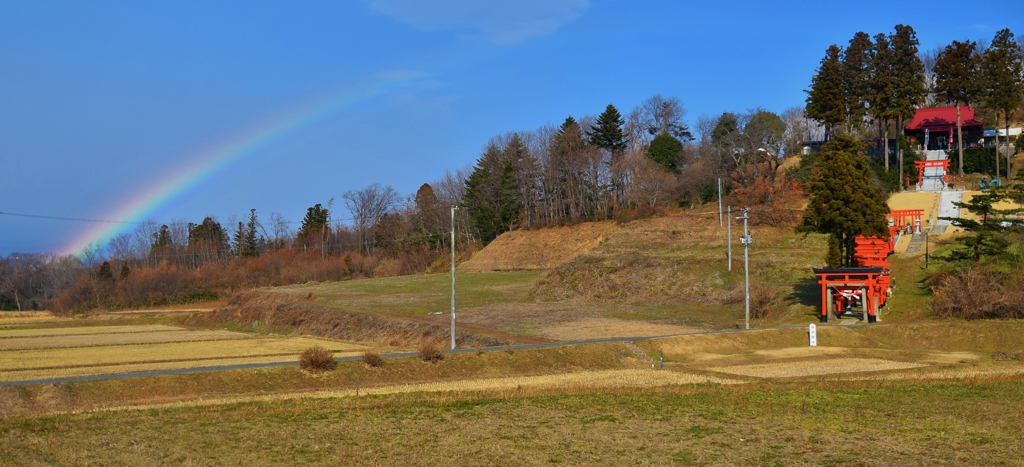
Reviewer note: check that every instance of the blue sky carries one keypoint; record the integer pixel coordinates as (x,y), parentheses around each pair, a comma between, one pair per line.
(100,101)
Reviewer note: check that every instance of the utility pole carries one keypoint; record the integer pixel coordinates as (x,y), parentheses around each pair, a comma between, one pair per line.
(729,254)
(453,276)
(746,266)
(719,201)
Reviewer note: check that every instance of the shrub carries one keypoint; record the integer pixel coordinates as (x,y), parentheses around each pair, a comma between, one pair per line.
(316,359)
(373,359)
(764,300)
(977,293)
(429,352)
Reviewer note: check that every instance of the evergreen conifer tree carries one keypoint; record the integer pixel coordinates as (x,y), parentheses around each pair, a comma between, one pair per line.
(844,200)
(956,81)
(1003,67)
(826,98)
(880,94)
(908,79)
(857,79)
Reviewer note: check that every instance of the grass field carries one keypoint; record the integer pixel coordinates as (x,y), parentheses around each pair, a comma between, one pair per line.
(807,423)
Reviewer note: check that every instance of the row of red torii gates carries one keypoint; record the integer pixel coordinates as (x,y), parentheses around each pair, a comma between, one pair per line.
(866,288)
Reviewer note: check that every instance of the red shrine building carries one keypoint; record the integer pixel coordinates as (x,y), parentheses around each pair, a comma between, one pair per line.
(935,128)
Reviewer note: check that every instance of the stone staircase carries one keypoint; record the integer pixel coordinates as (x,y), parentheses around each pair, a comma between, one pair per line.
(640,354)
(916,243)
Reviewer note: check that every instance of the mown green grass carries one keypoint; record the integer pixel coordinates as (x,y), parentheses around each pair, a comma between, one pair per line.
(420,294)
(808,423)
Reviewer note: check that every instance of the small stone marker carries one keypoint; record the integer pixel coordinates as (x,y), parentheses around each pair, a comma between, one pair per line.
(813,332)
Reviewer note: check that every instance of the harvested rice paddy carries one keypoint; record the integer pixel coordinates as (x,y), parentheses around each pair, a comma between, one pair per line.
(90,340)
(41,332)
(57,352)
(815,367)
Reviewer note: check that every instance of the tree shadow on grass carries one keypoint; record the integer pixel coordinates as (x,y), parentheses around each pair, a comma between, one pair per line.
(807,292)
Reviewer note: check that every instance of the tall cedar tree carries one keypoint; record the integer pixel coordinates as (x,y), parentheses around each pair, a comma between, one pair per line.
(664,151)
(250,240)
(908,79)
(957,82)
(844,202)
(607,131)
(1003,65)
(607,134)
(825,99)
(880,95)
(856,77)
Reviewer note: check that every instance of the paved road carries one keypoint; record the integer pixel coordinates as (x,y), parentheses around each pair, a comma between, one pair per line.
(179,371)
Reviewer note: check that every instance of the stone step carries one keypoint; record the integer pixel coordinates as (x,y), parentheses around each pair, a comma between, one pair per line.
(640,354)
(916,243)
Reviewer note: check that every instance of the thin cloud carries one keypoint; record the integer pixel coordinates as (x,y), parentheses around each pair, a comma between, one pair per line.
(500,21)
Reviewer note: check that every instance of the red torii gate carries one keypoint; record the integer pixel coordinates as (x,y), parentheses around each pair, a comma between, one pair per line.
(932,164)
(865,288)
(900,220)
(846,289)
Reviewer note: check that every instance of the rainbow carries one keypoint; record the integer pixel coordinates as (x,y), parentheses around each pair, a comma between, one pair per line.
(222,156)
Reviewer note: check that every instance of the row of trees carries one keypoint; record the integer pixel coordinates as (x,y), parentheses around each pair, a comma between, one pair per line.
(609,165)
(967,74)
(884,79)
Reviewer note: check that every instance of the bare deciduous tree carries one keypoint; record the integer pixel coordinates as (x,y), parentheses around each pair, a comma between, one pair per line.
(367,207)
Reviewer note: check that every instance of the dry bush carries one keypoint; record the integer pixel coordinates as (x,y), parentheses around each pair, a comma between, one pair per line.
(977,293)
(429,351)
(771,203)
(317,359)
(373,359)
(764,300)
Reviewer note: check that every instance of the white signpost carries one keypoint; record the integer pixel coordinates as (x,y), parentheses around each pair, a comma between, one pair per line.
(814,335)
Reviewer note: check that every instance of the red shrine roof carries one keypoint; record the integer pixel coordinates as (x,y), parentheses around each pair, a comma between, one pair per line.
(942,119)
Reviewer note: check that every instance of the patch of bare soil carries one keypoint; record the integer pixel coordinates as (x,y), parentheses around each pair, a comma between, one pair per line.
(544,248)
(815,367)
(173,309)
(601,328)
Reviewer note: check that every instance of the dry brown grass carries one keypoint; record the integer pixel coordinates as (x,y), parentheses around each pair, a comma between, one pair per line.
(166,352)
(18,318)
(817,367)
(70,372)
(39,332)
(125,338)
(599,328)
(588,380)
(543,248)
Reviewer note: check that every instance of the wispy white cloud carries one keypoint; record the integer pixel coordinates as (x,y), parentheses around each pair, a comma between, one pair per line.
(500,21)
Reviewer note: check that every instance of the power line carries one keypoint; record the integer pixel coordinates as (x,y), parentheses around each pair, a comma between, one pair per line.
(74,219)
